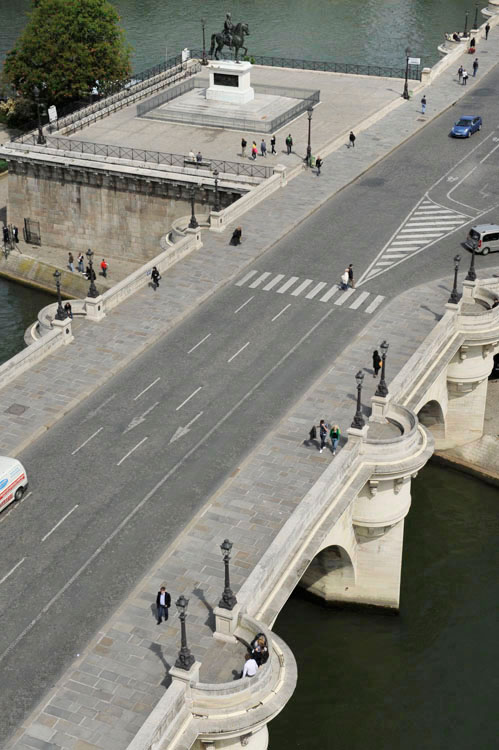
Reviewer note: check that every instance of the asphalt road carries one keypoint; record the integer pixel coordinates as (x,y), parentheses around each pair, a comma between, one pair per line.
(117,479)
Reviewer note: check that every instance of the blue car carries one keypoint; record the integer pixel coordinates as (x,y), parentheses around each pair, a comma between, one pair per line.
(467,125)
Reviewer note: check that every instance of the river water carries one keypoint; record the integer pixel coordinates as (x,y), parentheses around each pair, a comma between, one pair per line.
(426,679)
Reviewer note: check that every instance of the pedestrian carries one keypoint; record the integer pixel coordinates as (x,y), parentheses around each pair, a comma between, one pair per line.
(335,437)
(15,233)
(236,236)
(250,666)
(376,363)
(81,263)
(423,105)
(272,145)
(192,155)
(350,276)
(103,268)
(71,261)
(322,434)
(475,66)
(351,138)
(344,279)
(155,277)
(487,29)
(254,150)
(259,649)
(312,435)
(460,72)
(244,143)
(199,157)
(6,238)
(69,311)
(263,148)
(289,144)
(318,164)
(472,44)
(465,77)
(163,601)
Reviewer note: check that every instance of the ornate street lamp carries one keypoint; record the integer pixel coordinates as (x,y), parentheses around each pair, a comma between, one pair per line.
(204,61)
(475,22)
(454,296)
(308,158)
(471,276)
(185,659)
(406,84)
(466,23)
(228,600)
(216,207)
(41,138)
(193,224)
(358,420)
(92,290)
(61,313)
(382,390)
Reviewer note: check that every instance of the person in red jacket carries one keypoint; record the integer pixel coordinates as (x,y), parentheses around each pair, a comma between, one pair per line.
(103,268)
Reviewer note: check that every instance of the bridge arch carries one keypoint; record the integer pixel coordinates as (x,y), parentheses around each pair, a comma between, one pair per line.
(432,417)
(330,574)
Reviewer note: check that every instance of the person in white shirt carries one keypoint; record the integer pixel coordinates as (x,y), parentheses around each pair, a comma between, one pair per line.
(250,666)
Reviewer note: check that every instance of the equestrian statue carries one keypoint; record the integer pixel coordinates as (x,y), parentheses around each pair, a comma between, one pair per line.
(231,36)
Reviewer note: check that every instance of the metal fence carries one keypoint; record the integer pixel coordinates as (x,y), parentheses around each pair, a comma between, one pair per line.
(383,71)
(145,155)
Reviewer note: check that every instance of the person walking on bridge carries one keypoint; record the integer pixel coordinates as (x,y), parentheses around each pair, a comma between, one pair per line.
(163,601)
(475,66)
(352,139)
(322,434)
(465,77)
(289,144)
(335,437)
(487,29)
(460,72)
(423,105)
(272,145)
(376,363)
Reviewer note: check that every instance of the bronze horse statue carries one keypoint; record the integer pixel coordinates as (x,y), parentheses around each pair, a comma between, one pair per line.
(237,41)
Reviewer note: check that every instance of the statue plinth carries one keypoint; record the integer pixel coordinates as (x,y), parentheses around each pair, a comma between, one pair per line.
(230,82)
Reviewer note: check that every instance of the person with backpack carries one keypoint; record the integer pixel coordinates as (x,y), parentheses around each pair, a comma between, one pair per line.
(322,434)
(334,434)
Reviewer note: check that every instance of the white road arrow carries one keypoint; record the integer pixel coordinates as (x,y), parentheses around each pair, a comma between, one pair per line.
(181,431)
(138,420)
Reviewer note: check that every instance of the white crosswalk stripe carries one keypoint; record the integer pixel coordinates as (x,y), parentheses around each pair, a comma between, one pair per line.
(426,224)
(310,290)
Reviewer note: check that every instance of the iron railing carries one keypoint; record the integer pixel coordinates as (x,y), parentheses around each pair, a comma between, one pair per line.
(145,155)
(383,71)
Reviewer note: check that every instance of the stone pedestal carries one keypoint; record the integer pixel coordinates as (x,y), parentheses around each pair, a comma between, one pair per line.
(226,622)
(94,307)
(186,676)
(230,82)
(65,328)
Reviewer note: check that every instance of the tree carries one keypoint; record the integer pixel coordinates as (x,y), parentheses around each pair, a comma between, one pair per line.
(67,48)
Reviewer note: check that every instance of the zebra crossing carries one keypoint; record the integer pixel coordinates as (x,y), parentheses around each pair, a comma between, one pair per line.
(321,291)
(427,223)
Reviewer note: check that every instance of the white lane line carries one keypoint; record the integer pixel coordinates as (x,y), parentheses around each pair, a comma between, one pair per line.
(87,441)
(303,285)
(431,231)
(285,286)
(326,297)
(374,304)
(130,452)
(274,282)
(138,507)
(59,523)
(259,280)
(188,398)
(246,278)
(239,352)
(360,299)
(199,343)
(243,305)
(11,571)
(313,292)
(146,389)
(344,297)
(393,256)
(99,408)
(280,313)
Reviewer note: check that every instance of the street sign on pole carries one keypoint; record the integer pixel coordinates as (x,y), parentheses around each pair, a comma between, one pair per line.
(52,112)
(414,61)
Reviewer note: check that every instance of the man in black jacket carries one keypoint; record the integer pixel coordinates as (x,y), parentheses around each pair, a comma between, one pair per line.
(163,601)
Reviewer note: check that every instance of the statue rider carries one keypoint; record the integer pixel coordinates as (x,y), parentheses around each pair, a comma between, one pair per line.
(228,29)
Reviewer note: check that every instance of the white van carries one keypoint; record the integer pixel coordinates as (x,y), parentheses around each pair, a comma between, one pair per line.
(13,481)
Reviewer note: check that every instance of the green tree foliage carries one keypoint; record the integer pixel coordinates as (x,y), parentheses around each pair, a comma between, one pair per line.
(66,48)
